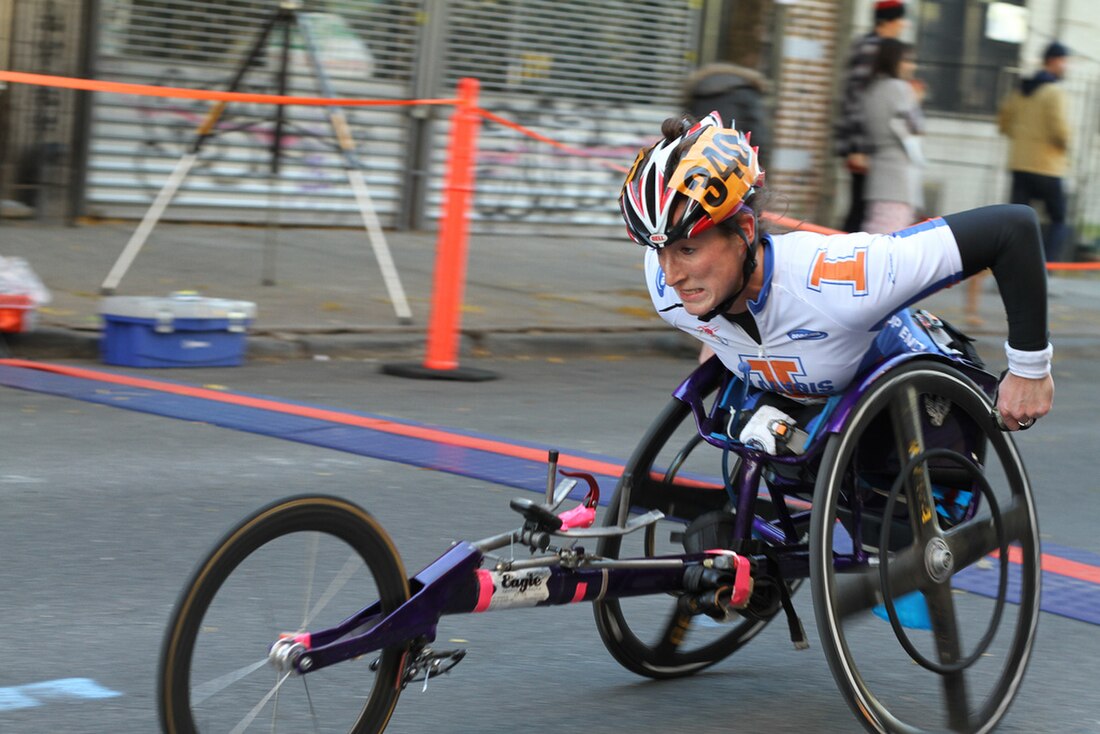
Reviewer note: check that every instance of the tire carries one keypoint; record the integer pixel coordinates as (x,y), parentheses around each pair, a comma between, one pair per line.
(298,563)
(646,635)
(943,563)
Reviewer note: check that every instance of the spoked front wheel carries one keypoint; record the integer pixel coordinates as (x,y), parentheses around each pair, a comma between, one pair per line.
(675,471)
(925,568)
(299,564)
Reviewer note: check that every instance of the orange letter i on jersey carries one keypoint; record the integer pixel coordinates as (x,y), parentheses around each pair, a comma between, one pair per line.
(841,271)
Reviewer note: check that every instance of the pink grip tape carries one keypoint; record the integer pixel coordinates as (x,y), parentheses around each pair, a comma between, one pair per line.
(742,582)
(484,590)
(579,517)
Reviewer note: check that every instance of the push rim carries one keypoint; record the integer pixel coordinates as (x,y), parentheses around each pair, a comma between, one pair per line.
(842,600)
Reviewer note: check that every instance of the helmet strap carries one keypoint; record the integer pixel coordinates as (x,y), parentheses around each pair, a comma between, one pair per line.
(747,270)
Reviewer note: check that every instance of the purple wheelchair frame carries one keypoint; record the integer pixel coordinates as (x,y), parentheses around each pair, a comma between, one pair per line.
(456,583)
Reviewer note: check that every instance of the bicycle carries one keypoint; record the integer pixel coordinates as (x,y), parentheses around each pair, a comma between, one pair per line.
(690,563)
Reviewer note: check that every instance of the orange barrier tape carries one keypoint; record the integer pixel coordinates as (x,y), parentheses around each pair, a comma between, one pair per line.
(549,141)
(150,90)
(791,223)
(778,219)
(799,224)
(1073,266)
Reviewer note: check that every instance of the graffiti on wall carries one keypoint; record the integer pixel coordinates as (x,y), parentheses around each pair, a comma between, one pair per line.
(235,161)
(518,179)
(523,179)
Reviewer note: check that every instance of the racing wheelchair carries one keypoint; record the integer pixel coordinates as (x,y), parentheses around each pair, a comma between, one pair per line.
(901,501)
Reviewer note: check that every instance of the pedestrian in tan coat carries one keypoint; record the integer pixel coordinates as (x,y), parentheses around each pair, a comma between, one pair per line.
(1034,119)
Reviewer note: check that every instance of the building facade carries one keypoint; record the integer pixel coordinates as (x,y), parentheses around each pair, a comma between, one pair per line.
(598,78)
(971,53)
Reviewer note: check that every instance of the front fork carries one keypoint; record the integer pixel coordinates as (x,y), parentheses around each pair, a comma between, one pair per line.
(456,584)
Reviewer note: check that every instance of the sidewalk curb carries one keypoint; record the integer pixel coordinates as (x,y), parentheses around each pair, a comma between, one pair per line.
(405,343)
(392,343)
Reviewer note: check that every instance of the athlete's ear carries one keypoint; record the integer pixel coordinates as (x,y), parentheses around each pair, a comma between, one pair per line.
(747,220)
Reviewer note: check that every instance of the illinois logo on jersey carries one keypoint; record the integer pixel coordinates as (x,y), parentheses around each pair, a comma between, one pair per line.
(850,270)
(783,375)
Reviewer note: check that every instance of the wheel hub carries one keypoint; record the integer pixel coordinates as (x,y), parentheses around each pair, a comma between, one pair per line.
(938,560)
(284,654)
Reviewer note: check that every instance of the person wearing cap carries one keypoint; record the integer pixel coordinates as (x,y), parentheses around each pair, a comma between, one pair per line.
(851,142)
(1033,117)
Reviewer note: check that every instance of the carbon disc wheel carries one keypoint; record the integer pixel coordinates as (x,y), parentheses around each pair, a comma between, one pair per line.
(947,653)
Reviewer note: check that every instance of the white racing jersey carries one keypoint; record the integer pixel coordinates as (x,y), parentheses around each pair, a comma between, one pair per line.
(824,300)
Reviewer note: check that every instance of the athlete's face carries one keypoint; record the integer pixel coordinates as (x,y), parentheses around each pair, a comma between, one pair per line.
(706,269)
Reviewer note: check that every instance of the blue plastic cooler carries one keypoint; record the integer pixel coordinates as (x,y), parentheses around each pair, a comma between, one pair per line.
(182,330)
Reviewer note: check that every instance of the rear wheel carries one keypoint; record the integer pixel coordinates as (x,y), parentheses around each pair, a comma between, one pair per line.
(675,471)
(299,564)
(945,652)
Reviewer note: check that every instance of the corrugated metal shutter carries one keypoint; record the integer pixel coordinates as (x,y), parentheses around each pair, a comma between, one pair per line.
(599,77)
(368,50)
(610,52)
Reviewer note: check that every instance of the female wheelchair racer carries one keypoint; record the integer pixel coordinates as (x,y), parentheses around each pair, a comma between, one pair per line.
(795,313)
(800,324)
(824,388)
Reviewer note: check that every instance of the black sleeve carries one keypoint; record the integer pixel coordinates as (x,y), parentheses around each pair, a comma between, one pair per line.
(1006,239)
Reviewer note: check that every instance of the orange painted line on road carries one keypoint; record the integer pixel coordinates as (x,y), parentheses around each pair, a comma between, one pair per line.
(332,416)
(1057,564)
(151,90)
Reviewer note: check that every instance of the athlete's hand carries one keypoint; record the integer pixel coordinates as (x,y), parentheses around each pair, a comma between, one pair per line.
(1022,401)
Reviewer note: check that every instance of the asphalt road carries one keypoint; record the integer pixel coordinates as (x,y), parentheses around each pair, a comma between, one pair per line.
(105,512)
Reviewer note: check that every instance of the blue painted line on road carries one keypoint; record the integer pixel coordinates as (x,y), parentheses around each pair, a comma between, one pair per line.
(59,690)
(1063,595)
(469,462)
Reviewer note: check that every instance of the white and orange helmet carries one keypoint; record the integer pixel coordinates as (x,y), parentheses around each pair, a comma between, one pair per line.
(710,169)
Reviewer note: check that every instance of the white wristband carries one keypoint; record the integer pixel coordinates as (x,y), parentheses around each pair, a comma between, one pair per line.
(1032,365)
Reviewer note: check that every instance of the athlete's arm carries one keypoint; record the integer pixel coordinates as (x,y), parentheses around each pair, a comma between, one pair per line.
(1006,239)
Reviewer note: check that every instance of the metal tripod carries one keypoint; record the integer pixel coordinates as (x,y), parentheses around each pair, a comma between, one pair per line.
(285,18)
